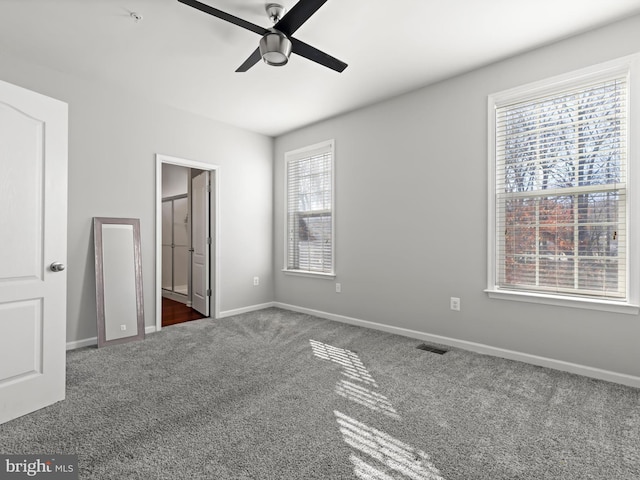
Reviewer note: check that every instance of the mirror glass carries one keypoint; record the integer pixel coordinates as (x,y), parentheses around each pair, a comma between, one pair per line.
(119,302)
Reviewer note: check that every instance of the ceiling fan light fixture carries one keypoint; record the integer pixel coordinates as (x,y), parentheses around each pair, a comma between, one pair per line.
(275,48)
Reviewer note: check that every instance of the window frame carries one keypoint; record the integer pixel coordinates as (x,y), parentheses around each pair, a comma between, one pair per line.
(298,154)
(627,66)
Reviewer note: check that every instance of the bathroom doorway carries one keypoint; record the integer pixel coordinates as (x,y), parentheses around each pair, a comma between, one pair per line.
(185,260)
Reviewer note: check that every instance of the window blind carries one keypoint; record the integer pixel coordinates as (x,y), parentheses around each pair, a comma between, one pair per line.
(561,191)
(309,205)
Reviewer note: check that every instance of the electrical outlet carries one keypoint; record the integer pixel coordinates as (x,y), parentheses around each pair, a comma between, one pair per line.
(123,328)
(455,304)
(256,281)
(338,288)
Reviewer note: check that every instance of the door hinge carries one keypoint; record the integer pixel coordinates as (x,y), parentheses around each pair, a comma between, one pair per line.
(208,240)
(208,292)
(209,188)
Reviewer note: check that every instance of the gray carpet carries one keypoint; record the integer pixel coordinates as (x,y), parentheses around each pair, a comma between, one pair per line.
(280,395)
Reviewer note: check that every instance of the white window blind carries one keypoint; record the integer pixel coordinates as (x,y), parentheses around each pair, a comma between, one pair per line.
(309,210)
(561,191)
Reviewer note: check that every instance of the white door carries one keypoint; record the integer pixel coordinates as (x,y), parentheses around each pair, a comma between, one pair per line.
(33,236)
(201,243)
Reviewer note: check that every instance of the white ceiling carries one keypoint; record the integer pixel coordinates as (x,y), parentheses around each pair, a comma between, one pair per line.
(187,59)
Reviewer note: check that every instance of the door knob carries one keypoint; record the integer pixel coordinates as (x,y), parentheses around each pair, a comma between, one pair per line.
(57,267)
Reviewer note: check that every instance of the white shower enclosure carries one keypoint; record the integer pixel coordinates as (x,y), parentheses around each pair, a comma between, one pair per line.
(175,247)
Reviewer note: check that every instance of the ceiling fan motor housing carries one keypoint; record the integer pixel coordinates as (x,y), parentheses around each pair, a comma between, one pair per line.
(275,48)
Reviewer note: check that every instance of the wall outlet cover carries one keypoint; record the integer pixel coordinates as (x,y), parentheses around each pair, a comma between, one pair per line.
(455,304)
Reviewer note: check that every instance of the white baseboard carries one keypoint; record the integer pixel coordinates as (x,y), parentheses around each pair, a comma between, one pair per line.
(88,342)
(177,297)
(251,308)
(584,370)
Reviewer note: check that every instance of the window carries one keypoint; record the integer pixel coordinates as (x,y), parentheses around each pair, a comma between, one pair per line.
(559,204)
(309,204)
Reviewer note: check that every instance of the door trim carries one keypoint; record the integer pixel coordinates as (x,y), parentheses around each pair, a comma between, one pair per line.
(215,227)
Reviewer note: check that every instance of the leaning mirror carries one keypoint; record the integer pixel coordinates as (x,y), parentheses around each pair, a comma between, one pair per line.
(119,301)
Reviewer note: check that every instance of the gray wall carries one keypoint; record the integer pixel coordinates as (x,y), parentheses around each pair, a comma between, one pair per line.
(113,139)
(411,216)
(175,180)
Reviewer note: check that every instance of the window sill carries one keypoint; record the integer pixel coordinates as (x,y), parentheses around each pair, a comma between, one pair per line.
(565,301)
(302,273)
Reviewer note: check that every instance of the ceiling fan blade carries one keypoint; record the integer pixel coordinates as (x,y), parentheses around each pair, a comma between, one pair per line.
(225,16)
(250,62)
(299,14)
(315,55)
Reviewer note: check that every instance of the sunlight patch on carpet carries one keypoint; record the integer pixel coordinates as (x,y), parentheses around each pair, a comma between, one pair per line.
(368,398)
(390,455)
(352,366)
(386,457)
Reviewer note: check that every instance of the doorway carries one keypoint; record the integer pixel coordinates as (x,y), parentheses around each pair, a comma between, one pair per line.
(186,239)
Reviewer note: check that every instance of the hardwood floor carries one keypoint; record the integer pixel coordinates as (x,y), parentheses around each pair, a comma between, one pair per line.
(175,312)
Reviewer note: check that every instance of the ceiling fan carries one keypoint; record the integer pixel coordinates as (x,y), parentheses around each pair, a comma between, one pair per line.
(277,43)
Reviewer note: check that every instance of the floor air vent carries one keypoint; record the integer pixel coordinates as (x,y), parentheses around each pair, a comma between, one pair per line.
(432,349)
